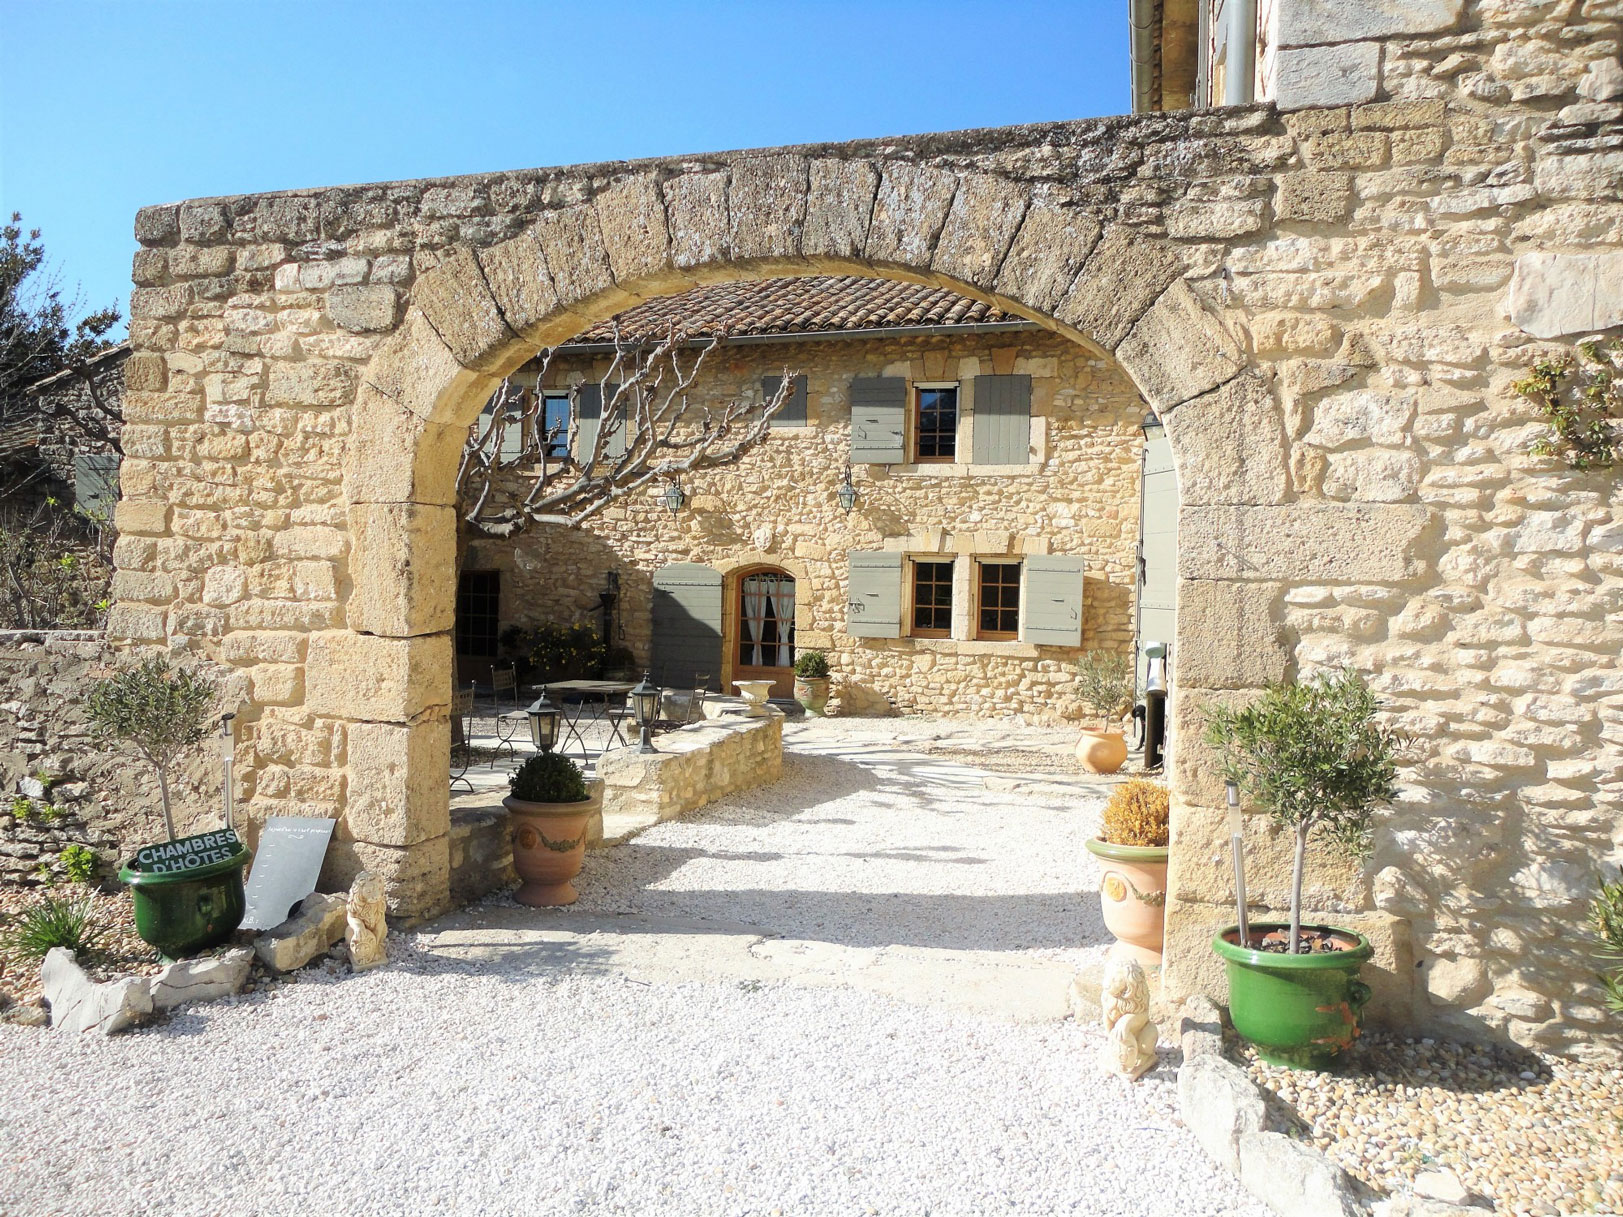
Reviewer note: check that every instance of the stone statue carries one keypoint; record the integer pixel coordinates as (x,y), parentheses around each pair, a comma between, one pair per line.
(367,933)
(1125,1003)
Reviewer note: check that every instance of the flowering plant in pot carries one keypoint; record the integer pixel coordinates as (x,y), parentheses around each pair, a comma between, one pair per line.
(187,891)
(811,681)
(1313,757)
(551,806)
(1104,682)
(1132,852)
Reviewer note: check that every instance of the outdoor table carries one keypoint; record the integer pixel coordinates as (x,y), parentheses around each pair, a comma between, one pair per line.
(573,696)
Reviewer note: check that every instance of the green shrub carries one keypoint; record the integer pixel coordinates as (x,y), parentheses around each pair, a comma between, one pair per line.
(1313,757)
(811,665)
(1104,682)
(79,863)
(556,652)
(54,922)
(161,709)
(1606,919)
(22,807)
(549,777)
(1581,399)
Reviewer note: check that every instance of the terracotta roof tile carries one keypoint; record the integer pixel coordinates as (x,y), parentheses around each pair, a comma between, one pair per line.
(797,306)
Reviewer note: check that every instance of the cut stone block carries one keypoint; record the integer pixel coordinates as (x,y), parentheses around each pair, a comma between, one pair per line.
(311,931)
(1556,294)
(193,980)
(1219,1104)
(1327,75)
(80,1004)
(1295,1180)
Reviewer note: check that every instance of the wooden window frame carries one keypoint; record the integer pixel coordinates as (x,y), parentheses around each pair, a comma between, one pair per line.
(916,409)
(548,452)
(489,596)
(985,635)
(914,629)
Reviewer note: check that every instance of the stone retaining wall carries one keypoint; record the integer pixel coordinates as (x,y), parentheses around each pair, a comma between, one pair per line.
(695,765)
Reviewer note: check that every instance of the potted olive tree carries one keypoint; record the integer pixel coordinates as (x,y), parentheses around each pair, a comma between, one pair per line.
(1312,756)
(1104,682)
(811,681)
(187,891)
(551,807)
(1132,853)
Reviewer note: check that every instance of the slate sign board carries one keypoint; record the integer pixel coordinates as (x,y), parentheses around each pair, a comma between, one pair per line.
(188,853)
(285,868)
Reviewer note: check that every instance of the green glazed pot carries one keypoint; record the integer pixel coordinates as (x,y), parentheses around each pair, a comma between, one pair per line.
(1301,1011)
(184,912)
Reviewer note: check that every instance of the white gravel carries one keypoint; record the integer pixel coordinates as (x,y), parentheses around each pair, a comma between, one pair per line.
(439,1084)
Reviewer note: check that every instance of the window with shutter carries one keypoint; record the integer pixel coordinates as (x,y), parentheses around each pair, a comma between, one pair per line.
(932,599)
(874,596)
(997,601)
(878,420)
(512,440)
(95,483)
(935,424)
(687,626)
(1054,600)
(1002,420)
(554,419)
(589,401)
(793,413)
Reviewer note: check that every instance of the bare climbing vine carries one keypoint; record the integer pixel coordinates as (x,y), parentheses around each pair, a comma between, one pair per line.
(1581,398)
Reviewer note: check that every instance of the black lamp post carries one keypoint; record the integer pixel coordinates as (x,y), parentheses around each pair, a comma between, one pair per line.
(645,705)
(847,493)
(673,498)
(543,717)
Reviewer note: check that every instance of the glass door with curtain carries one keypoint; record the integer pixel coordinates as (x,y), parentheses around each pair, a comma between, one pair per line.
(766,630)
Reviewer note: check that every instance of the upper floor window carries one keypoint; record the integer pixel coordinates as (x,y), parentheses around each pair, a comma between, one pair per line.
(932,599)
(935,422)
(997,600)
(555,423)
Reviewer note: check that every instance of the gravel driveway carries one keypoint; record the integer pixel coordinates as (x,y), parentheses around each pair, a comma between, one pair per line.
(574,1069)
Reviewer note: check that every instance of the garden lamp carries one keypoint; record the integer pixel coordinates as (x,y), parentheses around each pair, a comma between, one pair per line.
(645,705)
(228,753)
(847,493)
(673,498)
(543,716)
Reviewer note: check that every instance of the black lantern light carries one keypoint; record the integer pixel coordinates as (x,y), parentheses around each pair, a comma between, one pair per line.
(847,493)
(1151,426)
(544,718)
(645,705)
(673,498)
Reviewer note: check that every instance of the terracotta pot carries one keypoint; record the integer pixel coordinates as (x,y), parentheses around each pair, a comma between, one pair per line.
(812,693)
(1101,751)
(1133,896)
(549,845)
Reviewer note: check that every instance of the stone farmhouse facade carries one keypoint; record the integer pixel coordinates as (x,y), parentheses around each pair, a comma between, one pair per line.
(1326,294)
(994,534)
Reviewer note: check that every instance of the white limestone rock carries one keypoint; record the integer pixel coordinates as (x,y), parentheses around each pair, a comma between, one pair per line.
(194,980)
(1307,22)
(80,1004)
(1327,75)
(366,930)
(1553,295)
(319,923)
(1602,80)
(1295,1180)
(1219,1104)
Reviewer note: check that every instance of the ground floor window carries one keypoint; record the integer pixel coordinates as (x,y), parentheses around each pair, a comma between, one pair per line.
(766,620)
(932,599)
(997,600)
(478,613)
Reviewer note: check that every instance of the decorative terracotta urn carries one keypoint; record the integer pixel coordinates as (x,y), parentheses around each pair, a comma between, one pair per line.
(1102,751)
(812,693)
(549,846)
(1133,896)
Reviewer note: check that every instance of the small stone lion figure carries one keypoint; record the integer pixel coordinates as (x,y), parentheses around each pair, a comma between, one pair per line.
(1125,1000)
(366,932)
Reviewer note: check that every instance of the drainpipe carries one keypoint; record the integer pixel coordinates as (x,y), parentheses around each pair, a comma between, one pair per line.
(1240,72)
(1141,47)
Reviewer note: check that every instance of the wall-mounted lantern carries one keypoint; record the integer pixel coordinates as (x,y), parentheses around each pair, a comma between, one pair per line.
(673,498)
(847,493)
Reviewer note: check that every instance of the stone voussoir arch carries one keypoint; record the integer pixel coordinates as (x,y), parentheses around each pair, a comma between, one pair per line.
(479,313)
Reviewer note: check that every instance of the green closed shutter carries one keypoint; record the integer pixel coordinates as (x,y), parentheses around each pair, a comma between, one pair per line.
(793,413)
(878,420)
(687,626)
(616,446)
(95,483)
(874,596)
(1002,420)
(1054,600)
(589,411)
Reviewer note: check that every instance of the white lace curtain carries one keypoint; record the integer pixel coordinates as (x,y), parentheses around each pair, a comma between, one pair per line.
(768,598)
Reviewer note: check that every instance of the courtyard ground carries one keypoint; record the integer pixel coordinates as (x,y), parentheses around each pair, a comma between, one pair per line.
(843,993)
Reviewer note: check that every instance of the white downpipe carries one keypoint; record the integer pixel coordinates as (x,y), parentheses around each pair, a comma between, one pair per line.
(1240,70)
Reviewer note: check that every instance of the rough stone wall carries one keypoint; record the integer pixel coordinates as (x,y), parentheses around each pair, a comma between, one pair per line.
(101,798)
(1328,306)
(694,766)
(1079,494)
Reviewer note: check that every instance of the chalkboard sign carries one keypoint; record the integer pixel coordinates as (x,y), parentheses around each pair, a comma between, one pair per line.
(188,853)
(285,868)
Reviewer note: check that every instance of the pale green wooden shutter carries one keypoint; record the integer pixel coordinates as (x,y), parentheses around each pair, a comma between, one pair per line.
(1002,420)
(793,413)
(1054,600)
(95,483)
(878,420)
(615,448)
(687,626)
(874,597)
(589,410)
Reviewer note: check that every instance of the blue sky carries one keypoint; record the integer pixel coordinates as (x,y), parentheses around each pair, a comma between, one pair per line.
(109,106)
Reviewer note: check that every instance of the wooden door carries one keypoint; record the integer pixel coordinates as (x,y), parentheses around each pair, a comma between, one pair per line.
(764,608)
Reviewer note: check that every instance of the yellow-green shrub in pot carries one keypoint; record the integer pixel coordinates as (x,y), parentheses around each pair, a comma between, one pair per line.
(1132,852)
(1104,682)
